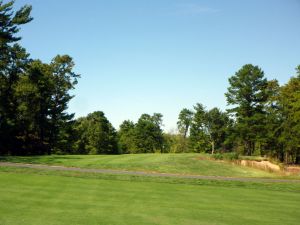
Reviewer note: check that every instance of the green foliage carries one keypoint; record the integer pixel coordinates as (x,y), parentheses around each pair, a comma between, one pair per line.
(175,143)
(42,99)
(264,118)
(34,96)
(208,129)
(148,133)
(226,156)
(199,140)
(185,119)
(266,115)
(289,102)
(10,74)
(273,120)
(248,94)
(126,137)
(95,135)
(218,156)
(13,62)
(145,136)
(216,125)
(232,156)
(10,25)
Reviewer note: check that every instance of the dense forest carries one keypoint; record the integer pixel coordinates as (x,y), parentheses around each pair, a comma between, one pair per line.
(263,117)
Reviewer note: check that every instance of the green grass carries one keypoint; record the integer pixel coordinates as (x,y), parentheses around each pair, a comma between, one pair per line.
(30,196)
(165,163)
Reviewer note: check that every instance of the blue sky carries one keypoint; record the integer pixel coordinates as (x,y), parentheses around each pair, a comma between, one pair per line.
(162,55)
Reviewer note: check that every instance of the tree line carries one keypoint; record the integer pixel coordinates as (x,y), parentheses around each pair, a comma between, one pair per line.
(263,118)
(34,95)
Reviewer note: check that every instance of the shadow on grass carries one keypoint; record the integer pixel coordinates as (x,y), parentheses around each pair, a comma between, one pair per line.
(36,159)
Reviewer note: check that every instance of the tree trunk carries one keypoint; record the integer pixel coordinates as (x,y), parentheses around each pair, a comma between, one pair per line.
(212,147)
(248,148)
(186,131)
(286,158)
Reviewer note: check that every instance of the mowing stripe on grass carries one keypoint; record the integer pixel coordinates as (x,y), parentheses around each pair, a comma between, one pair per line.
(34,199)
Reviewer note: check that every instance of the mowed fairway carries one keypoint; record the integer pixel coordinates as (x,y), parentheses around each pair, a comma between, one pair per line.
(29,198)
(165,163)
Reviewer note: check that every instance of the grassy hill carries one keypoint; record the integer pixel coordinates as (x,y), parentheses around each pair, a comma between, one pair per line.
(165,163)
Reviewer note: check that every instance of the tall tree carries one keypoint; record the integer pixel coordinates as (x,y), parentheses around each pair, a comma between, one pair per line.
(247,94)
(148,134)
(274,119)
(289,101)
(34,96)
(216,125)
(33,92)
(199,140)
(95,135)
(185,119)
(42,94)
(13,60)
(64,79)
(126,137)
(8,101)
(10,25)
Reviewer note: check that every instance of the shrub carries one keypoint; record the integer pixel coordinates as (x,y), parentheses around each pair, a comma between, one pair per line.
(226,156)
(217,156)
(231,156)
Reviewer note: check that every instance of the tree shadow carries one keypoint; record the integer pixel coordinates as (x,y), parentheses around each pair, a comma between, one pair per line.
(36,159)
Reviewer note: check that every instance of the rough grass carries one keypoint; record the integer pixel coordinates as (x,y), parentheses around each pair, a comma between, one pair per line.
(165,163)
(29,196)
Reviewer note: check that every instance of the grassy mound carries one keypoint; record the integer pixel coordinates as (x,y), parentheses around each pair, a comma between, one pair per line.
(164,163)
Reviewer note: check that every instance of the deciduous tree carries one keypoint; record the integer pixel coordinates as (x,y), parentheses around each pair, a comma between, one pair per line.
(185,119)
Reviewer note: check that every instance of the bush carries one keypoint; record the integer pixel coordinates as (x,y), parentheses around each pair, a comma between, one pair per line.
(232,156)
(226,156)
(218,156)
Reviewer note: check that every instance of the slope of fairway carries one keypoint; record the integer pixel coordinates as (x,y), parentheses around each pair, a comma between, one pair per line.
(30,199)
(164,163)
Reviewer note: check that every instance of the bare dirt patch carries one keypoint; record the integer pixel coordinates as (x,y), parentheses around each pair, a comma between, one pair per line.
(264,165)
(292,169)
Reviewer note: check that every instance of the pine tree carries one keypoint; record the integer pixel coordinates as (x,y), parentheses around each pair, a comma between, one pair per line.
(247,94)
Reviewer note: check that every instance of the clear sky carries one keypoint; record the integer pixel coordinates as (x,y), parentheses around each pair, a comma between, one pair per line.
(142,56)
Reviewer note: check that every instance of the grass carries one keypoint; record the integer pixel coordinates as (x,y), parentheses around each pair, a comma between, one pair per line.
(165,163)
(30,196)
